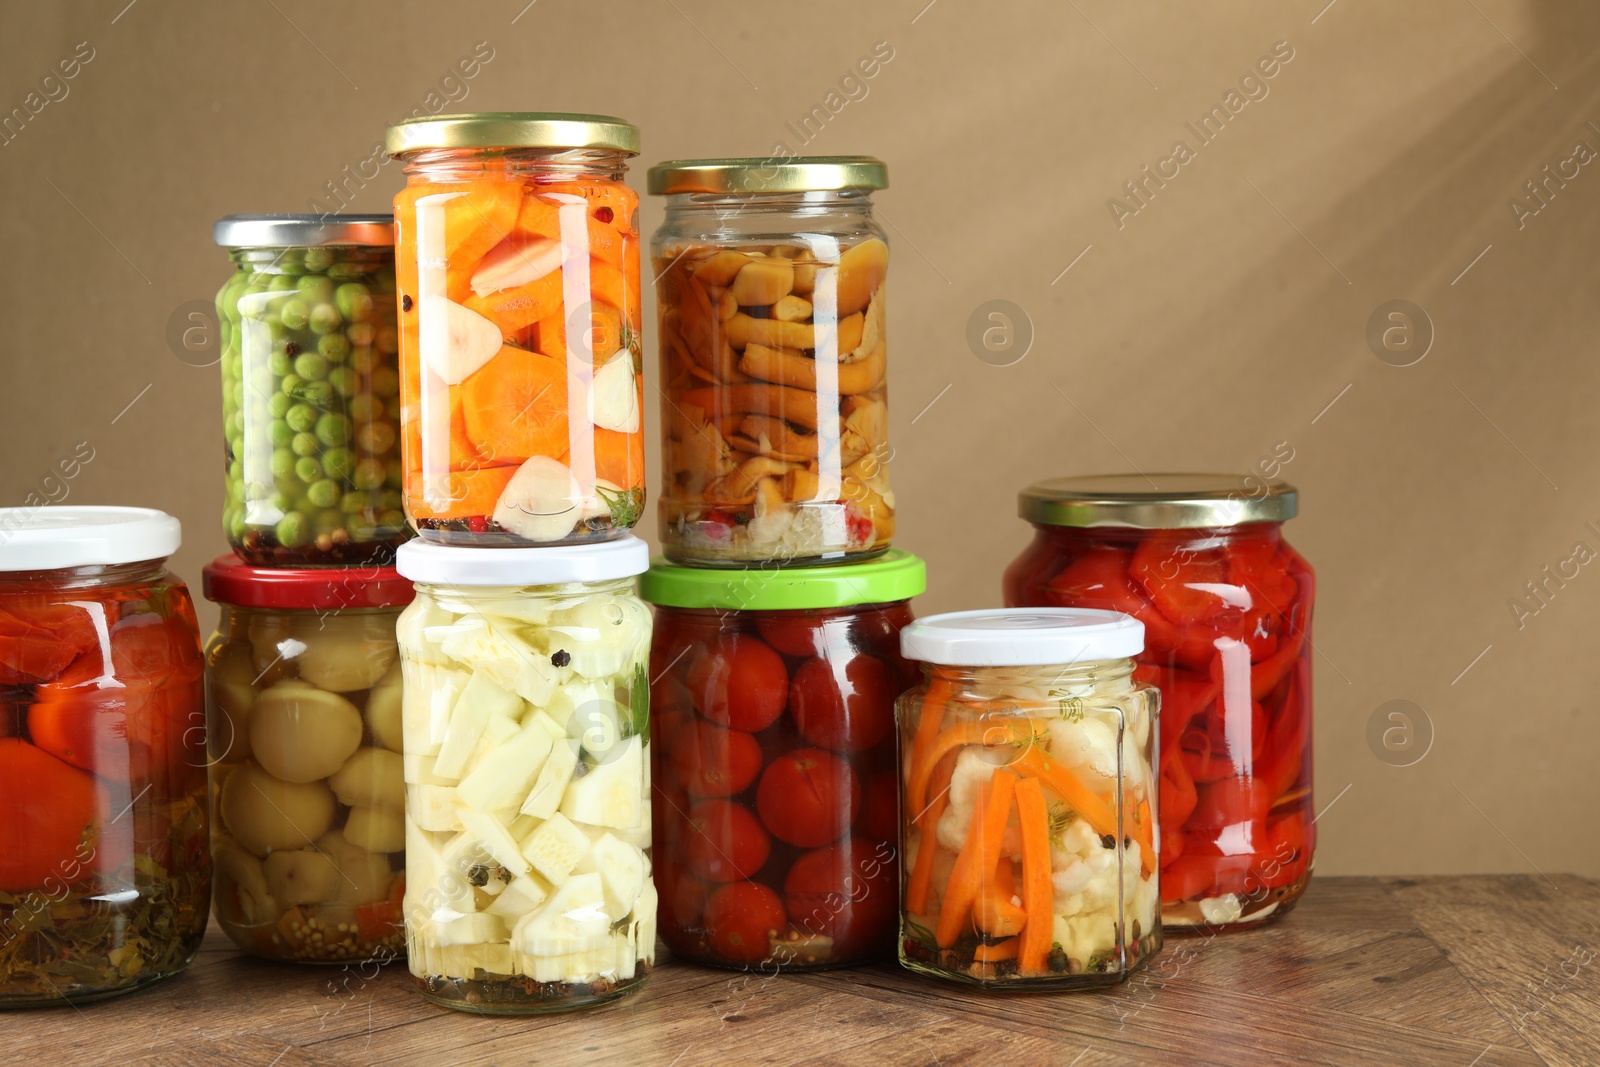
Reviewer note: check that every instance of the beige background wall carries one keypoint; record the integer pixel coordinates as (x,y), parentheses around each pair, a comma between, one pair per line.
(1221,319)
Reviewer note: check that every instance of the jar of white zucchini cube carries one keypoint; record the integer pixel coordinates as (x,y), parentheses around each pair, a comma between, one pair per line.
(303,734)
(526,724)
(1029,799)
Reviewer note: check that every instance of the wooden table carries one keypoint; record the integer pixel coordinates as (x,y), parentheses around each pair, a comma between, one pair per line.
(1469,971)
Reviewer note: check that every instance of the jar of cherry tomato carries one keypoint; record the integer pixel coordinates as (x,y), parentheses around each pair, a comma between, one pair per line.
(517,251)
(303,727)
(776,818)
(105,878)
(1201,561)
(770,288)
(1029,796)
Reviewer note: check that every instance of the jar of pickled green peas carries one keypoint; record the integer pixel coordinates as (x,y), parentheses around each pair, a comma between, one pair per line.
(311,389)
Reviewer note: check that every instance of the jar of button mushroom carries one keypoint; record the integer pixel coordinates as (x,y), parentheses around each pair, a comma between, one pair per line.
(1028,799)
(527,768)
(770,293)
(303,728)
(311,389)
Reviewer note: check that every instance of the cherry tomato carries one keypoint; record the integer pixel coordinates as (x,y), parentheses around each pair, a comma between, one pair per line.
(880,808)
(808,797)
(846,892)
(848,707)
(725,841)
(799,633)
(713,762)
(682,896)
(741,920)
(49,818)
(739,681)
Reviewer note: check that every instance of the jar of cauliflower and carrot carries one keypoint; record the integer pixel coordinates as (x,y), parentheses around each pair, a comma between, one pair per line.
(1027,799)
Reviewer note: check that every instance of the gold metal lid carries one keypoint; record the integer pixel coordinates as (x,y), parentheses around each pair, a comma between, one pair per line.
(512,129)
(797,174)
(1158,501)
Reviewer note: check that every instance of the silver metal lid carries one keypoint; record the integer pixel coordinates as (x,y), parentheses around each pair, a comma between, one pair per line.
(303,231)
(1158,501)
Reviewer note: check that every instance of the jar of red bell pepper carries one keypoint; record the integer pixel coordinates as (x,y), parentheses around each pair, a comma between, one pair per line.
(1226,604)
(776,805)
(105,877)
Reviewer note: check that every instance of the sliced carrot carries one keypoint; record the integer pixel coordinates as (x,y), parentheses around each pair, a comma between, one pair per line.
(515,406)
(605,333)
(1034,762)
(522,305)
(927,823)
(623,201)
(549,335)
(619,458)
(479,219)
(995,912)
(972,732)
(1038,894)
(977,858)
(471,493)
(539,217)
(929,721)
(607,284)
(1004,950)
(463,454)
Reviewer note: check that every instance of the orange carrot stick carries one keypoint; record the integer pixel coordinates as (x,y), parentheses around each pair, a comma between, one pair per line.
(927,822)
(994,912)
(933,702)
(1004,950)
(977,858)
(1038,894)
(970,732)
(1034,762)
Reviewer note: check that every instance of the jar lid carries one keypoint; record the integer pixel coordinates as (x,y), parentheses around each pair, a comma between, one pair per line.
(229,580)
(895,575)
(303,231)
(48,538)
(793,174)
(1023,637)
(1158,501)
(604,561)
(512,129)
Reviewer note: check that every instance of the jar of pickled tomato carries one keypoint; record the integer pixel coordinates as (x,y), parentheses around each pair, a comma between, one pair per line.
(311,389)
(776,815)
(1029,799)
(770,279)
(105,877)
(303,729)
(524,712)
(517,246)
(1200,559)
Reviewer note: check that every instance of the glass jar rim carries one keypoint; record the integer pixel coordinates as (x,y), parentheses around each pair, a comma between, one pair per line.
(1159,501)
(512,129)
(794,174)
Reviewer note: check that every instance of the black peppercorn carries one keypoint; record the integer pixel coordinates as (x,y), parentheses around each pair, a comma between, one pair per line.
(405,302)
(561,657)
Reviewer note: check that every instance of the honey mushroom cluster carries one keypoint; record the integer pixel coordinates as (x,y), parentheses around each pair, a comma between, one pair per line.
(306,730)
(776,398)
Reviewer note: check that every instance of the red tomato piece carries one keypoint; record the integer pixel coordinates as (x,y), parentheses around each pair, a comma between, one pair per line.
(38,641)
(89,730)
(847,892)
(725,841)
(808,797)
(880,809)
(712,761)
(741,920)
(801,632)
(739,681)
(50,815)
(848,706)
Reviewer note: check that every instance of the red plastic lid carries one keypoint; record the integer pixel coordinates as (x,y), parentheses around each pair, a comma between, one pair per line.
(227,580)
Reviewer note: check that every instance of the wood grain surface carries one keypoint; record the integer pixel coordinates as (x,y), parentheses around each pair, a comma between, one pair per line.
(1465,971)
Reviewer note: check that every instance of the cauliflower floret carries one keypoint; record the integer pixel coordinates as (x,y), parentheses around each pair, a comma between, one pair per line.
(1072,880)
(1102,890)
(1077,841)
(974,768)
(1088,748)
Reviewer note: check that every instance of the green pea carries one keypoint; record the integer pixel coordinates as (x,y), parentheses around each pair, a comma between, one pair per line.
(280,363)
(388,341)
(364,358)
(315,288)
(336,462)
(385,381)
(325,319)
(306,444)
(345,272)
(319,394)
(333,429)
(361,334)
(292,530)
(301,417)
(236,472)
(233,523)
(355,502)
(364,407)
(391,520)
(395,475)
(391,498)
(311,366)
(261,378)
(354,301)
(236,446)
(282,463)
(383,282)
(317,260)
(333,347)
(345,380)
(369,474)
(392,408)
(232,364)
(375,437)
(233,423)
(307,469)
(280,283)
(279,404)
(294,313)
(324,493)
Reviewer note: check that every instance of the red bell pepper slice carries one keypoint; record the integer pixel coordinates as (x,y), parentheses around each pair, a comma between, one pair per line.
(1184,695)
(1189,585)
(1204,766)
(38,641)
(1178,794)
(1282,763)
(1172,846)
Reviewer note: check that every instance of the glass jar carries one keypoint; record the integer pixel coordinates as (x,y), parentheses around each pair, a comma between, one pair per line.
(1029,799)
(311,389)
(776,805)
(525,715)
(520,356)
(770,292)
(105,879)
(303,728)
(1201,561)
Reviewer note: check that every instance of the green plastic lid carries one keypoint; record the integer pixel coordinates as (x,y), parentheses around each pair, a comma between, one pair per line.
(895,575)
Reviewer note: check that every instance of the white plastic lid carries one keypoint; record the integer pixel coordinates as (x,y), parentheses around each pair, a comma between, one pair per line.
(1022,637)
(47,538)
(556,565)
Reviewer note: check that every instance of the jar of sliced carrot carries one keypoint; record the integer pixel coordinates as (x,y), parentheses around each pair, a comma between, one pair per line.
(770,292)
(1226,604)
(517,260)
(1029,799)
